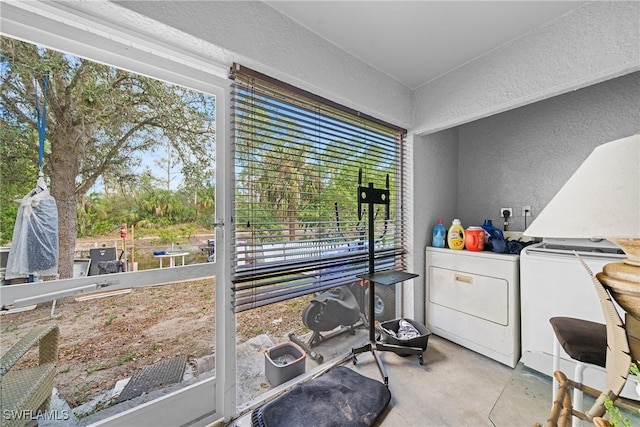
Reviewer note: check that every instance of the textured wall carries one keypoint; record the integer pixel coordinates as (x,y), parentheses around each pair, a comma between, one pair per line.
(516,158)
(596,42)
(434,182)
(524,156)
(257,36)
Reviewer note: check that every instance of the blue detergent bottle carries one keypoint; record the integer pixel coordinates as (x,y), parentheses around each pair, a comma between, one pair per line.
(439,234)
(493,236)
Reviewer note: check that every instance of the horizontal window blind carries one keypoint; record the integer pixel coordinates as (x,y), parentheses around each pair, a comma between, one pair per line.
(297,159)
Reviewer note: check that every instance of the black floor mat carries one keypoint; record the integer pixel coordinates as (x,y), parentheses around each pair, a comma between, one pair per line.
(339,397)
(154,376)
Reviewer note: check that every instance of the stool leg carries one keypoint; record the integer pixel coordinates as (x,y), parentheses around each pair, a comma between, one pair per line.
(577,394)
(556,367)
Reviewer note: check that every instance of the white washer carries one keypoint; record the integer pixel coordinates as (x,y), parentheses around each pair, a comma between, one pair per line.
(472,299)
(553,282)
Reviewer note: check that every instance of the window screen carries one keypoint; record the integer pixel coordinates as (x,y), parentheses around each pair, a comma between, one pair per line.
(297,159)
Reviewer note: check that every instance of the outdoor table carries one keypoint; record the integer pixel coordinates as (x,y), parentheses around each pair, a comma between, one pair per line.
(172,256)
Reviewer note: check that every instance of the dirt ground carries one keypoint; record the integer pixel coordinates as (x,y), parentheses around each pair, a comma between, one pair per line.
(108,339)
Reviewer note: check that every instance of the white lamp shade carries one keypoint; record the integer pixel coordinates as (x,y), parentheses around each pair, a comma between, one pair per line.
(602,198)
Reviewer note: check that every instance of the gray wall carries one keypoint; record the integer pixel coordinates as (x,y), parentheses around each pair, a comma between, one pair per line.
(524,156)
(434,175)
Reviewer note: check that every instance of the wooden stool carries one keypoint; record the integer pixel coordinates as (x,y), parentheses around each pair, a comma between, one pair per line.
(585,342)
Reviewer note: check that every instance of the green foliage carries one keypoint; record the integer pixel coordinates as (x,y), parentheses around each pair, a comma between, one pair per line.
(615,415)
(168,236)
(156,210)
(616,418)
(8,214)
(96,215)
(18,171)
(110,320)
(81,395)
(127,357)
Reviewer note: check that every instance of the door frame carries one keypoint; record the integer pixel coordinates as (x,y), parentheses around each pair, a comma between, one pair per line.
(169,57)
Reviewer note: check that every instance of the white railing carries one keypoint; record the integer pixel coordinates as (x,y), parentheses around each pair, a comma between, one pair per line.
(292,250)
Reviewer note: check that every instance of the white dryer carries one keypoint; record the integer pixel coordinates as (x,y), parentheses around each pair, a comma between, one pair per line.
(473,299)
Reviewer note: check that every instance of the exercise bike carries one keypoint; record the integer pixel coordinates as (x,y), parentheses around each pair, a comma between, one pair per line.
(342,309)
(336,307)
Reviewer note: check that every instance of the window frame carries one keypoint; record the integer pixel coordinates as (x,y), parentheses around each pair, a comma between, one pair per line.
(97,38)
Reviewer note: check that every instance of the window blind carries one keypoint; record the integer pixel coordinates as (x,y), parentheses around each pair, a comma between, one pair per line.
(297,158)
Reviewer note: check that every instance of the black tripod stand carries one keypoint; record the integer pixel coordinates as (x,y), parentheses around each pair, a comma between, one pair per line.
(375,196)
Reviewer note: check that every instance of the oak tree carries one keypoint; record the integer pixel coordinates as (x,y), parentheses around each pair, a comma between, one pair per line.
(99,120)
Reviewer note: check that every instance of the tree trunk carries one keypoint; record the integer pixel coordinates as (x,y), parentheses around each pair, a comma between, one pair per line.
(67,232)
(63,163)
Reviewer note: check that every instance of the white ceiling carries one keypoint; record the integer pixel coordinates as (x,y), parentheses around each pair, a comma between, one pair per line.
(417,41)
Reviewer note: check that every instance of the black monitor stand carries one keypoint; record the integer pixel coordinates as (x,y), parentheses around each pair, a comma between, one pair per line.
(374,196)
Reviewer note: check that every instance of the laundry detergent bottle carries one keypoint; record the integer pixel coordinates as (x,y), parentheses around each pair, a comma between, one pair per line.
(439,235)
(455,236)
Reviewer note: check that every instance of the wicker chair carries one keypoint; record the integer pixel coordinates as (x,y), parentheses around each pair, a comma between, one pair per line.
(619,355)
(27,391)
(562,412)
(623,346)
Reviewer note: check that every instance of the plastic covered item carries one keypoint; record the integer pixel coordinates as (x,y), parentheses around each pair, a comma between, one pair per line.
(34,248)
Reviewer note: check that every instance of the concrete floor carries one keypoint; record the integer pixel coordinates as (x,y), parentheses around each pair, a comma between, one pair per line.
(454,387)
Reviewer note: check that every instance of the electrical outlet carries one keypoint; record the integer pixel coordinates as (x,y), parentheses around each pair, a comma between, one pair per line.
(502,211)
(526,211)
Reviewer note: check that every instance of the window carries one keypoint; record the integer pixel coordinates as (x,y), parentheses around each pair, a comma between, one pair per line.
(150,179)
(114,35)
(297,159)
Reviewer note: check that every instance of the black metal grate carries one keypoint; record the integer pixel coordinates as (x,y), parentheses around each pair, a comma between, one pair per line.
(151,377)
